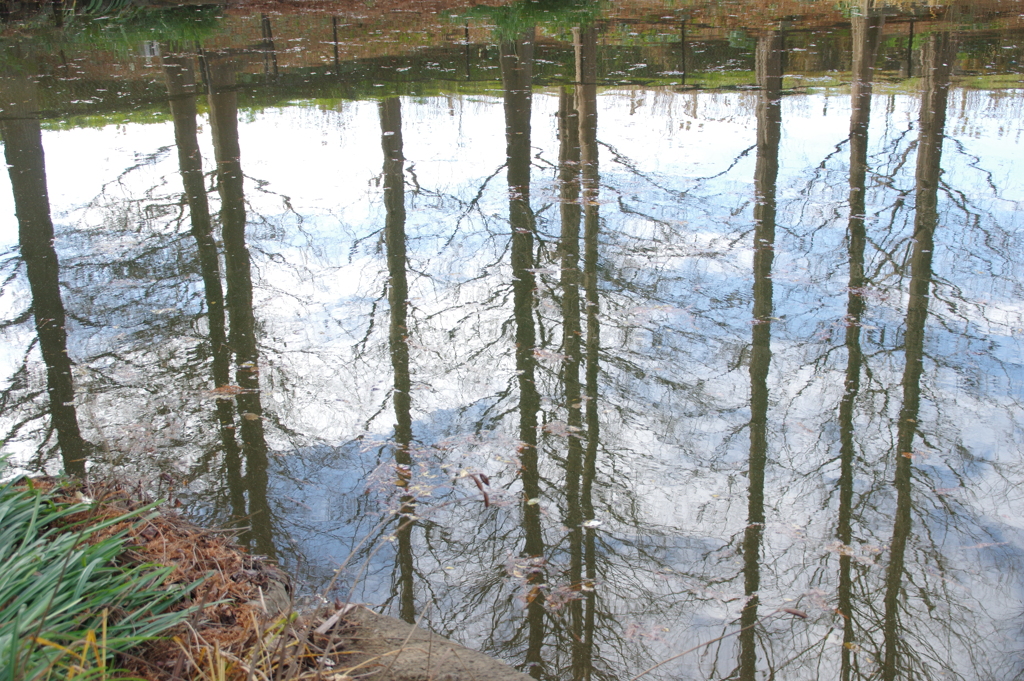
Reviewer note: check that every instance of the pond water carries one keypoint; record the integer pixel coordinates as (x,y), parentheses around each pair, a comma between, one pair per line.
(582,335)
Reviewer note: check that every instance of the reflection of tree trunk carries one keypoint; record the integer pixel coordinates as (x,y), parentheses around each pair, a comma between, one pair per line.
(181,90)
(398,299)
(242,333)
(569,242)
(585,43)
(866,32)
(516,74)
(23,149)
(224,122)
(769,120)
(937,57)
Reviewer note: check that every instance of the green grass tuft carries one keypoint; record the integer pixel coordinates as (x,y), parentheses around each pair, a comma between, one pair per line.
(68,604)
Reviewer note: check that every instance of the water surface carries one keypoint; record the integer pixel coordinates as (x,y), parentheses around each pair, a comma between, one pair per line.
(582,337)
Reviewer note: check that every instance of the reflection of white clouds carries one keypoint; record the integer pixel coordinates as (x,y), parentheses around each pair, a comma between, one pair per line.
(675,299)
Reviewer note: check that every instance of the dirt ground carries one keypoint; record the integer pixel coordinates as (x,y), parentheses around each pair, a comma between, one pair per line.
(402,652)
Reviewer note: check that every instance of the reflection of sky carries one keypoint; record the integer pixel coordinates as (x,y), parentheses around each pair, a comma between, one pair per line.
(676,293)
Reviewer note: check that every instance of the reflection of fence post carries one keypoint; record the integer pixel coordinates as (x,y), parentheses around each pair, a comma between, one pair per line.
(682,51)
(269,51)
(469,61)
(908,64)
(334,42)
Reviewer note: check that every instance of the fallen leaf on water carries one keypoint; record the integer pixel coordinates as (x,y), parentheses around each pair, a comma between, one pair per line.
(985,545)
(226,390)
(841,548)
(541,353)
(560,428)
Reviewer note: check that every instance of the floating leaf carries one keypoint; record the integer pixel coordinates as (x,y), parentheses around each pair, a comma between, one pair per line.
(226,391)
(560,428)
(985,545)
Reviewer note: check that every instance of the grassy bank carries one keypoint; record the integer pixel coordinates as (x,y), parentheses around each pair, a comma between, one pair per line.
(97,584)
(71,600)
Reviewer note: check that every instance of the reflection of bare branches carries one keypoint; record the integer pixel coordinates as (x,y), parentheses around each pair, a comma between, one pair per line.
(17,395)
(261,186)
(21,318)
(679,194)
(472,205)
(974,163)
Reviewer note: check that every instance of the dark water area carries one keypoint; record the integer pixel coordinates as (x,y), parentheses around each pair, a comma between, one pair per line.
(584,335)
